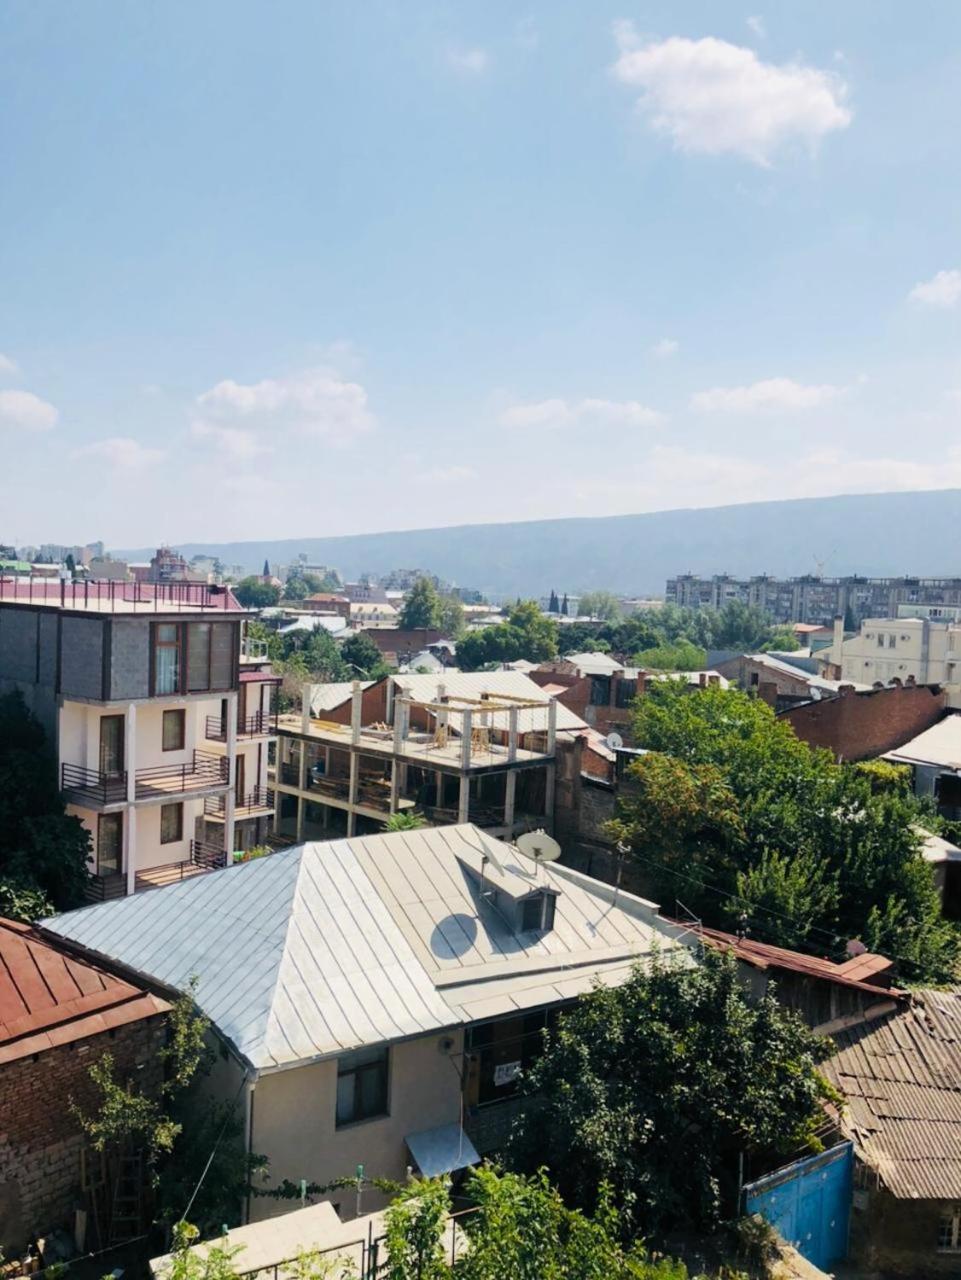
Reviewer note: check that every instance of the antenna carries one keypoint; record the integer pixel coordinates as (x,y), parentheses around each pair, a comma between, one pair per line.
(539,846)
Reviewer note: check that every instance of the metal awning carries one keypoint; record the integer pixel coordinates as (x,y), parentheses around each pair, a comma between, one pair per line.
(442,1150)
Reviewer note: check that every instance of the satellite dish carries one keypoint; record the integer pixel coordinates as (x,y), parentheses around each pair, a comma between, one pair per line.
(614,741)
(539,846)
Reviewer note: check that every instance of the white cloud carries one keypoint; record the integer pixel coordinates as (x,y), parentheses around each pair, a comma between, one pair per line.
(560,413)
(942,290)
(24,411)
(770,394)
(318,402)
(239,443)
(471,62)
(122,452)
(714,97)
(7,365)
(756,23)
(666,348)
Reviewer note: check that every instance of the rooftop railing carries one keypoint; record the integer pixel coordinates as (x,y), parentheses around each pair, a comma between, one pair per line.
(261,725)
(109,595)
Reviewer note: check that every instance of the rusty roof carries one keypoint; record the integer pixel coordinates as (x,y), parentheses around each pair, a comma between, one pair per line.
(901,1077)
(49,997)
(866,972)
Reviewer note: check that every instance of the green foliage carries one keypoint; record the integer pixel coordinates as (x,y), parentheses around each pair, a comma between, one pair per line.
(125,1116)
(680,655)
(415,1224)
(883,777)
(299,584)
(363,657)
(186,1051)
(527,634)
(21,900)
(859,872)
(421,609)
(213,1262)
(600,604)
(450,617)
(737,626)
(406,820)
(43,852)
(656,1086)
(782,639)
(254,594)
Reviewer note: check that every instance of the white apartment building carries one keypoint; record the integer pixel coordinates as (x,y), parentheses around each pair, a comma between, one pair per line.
(924,650)
(160,724)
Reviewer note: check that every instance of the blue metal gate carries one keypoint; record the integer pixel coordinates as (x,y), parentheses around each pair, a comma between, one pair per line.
(809,1203)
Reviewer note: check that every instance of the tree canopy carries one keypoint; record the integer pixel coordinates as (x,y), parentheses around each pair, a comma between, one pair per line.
(658,1087)
(43,851)
(600,604)
(736,626)
(361,655)
(527,634)
(301,584)
(254,594)
(814,852)
(421,608)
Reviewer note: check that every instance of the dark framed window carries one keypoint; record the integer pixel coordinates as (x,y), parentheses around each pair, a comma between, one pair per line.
(109,844)
(171,823)
(166,658)
(362,1085)
(174,730)
(537,912)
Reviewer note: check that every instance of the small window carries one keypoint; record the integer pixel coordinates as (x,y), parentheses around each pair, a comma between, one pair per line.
(537,913)
(892,640)
(171,823)
(949,1230)
(174,730)
(880,639)
(362,1085)
(166,669)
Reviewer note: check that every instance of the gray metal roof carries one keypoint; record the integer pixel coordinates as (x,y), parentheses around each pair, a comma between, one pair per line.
(901,1077)
(328,947)
(939,746)
(474,684)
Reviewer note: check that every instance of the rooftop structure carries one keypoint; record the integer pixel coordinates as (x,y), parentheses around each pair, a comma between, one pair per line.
(117,596)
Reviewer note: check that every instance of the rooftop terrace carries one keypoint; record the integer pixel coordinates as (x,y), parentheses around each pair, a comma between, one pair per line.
(118,597)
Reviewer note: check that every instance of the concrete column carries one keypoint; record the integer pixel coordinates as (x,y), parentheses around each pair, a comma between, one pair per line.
(465,740)
(130,814)
(549,793)
(394,785)
(230,800)
(551,726)
(400,716)
(512,734)
(301,815)
(306,697)
(509,793)
(439,785)
(356,711)
(352,791)
(389,703)
(463,805)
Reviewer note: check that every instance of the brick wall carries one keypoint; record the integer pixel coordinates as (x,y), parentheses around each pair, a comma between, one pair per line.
(859,726)
(40,1139)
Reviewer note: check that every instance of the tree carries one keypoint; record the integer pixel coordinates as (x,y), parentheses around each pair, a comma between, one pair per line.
(679,656)
(301,584)
(450,617)
(782,639)
(600,604)
(564,606)
(659,1086)
(527,634)
(43,852)
(422,607)
(363,657)
(254,594)
(553,605)
(861,872)
(740,626)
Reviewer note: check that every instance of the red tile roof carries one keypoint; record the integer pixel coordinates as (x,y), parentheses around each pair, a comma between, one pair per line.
(867,972)
(49,997)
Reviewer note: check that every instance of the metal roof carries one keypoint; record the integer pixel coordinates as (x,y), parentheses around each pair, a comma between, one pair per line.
(49,997)
(327,947)
(939,746)
(594,664)
(901,1077)
(474,684)
(326,697)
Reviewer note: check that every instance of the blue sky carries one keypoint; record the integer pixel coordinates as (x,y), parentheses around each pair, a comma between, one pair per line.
(312,268)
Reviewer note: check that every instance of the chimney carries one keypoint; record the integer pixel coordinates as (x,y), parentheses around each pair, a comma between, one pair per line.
(838,636)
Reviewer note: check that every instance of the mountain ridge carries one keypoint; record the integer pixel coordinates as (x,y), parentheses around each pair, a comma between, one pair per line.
(913,533)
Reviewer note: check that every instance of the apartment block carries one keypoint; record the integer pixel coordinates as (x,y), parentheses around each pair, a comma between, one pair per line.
(813,599)
(160,722)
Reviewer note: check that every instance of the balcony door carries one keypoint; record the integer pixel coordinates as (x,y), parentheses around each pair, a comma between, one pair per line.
(111,746)
(110,844)
(240,790)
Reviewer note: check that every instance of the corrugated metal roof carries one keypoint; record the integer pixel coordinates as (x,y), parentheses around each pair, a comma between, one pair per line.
(325,697)
(594,664)
(49,997)
(940,746)
(474,684)
(331,946)
(901,1077)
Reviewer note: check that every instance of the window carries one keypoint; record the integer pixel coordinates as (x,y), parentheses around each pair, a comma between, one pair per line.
(880,639)
(109,844)
(166,660)
(174,730)
(362,1085)
(892,640)
(949,1230)
(171,823)
(537,912)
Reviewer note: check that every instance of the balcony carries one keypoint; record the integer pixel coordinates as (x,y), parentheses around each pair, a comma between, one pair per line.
(254,804)
(92,788)
(203,772)
(203,857)
(261,725)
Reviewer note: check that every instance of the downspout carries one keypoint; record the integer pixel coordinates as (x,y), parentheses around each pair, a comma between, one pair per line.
(249,1127)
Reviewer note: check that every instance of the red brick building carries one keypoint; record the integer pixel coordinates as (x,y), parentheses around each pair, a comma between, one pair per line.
(58,1015)
(859,725)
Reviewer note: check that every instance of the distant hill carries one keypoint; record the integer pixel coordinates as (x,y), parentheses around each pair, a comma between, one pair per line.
(871,534)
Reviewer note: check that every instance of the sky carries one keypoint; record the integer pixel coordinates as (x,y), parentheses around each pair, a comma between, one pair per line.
(308,268)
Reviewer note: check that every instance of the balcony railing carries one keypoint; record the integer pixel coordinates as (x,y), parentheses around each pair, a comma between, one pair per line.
(259,800)
(203,857)
(105,888)
(92,785)
(261,725)
(203,771)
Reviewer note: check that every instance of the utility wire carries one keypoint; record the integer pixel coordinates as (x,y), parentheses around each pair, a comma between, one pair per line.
(210,1159)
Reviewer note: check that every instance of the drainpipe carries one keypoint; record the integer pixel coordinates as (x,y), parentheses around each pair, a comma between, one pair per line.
(249,1130)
